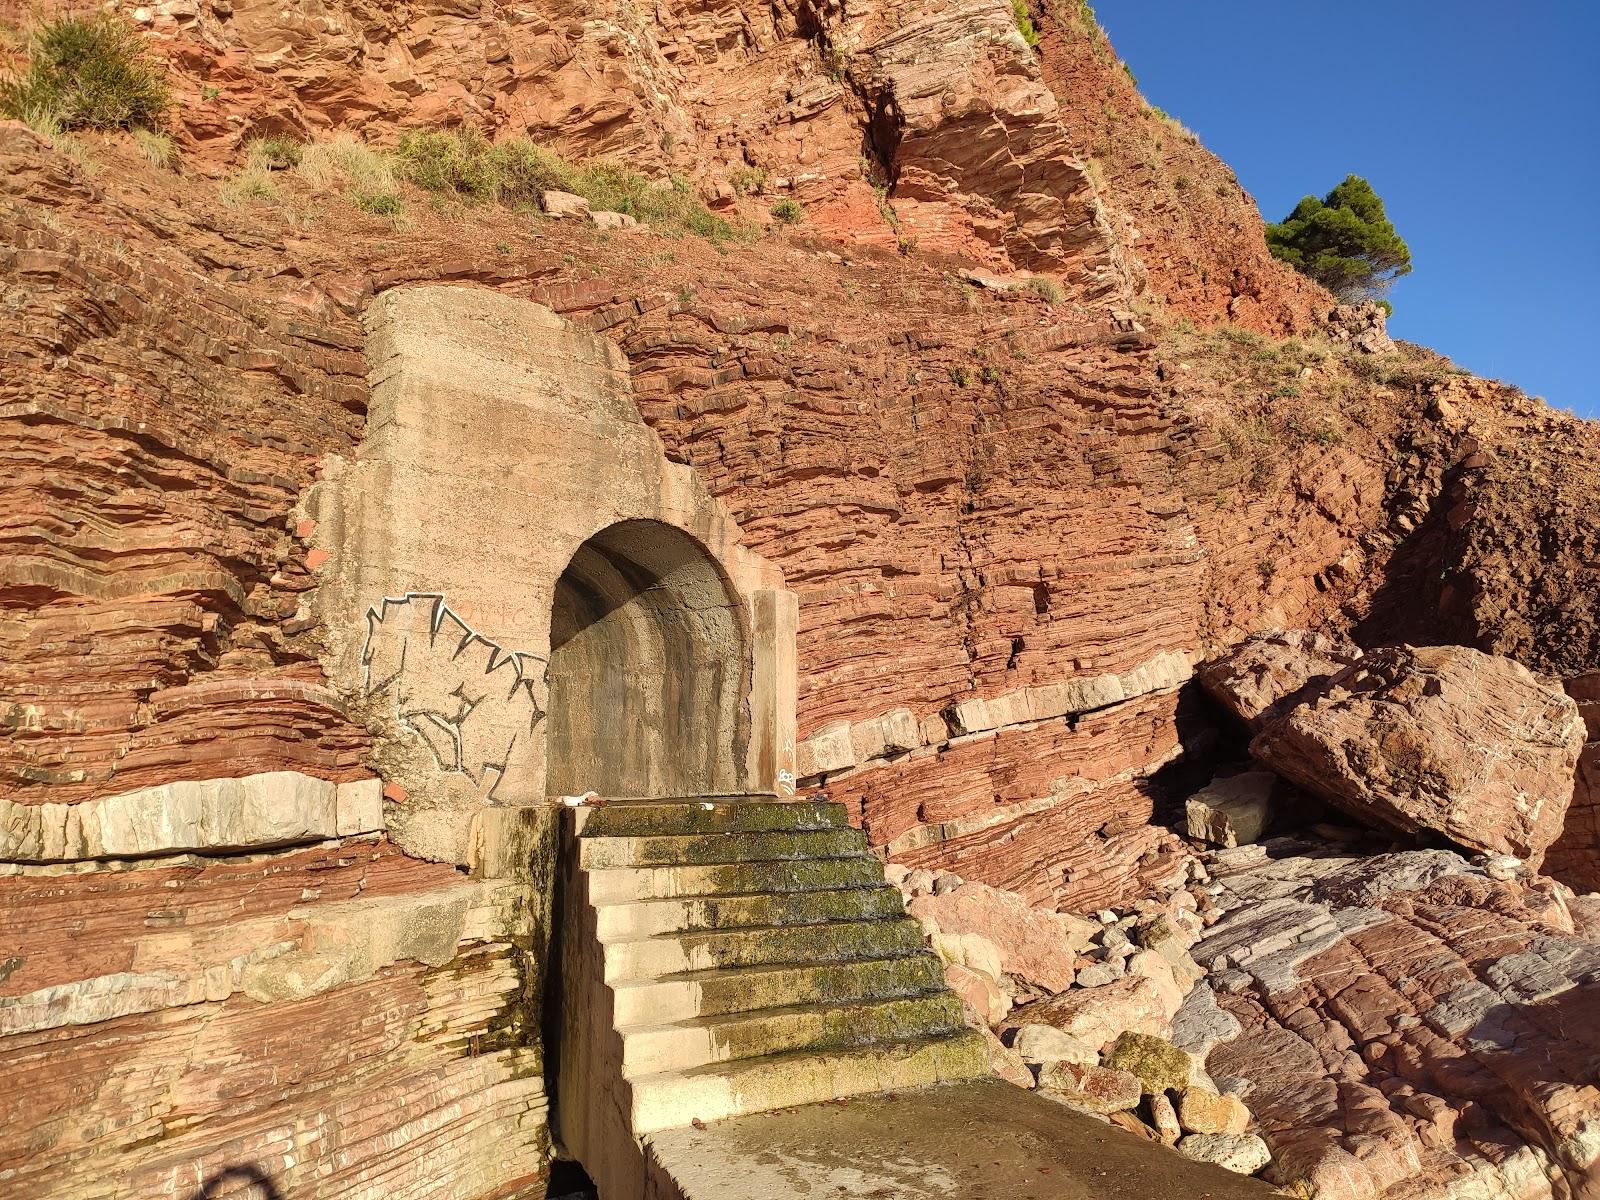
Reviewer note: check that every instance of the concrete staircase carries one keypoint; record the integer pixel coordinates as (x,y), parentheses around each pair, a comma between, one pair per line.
(731,956)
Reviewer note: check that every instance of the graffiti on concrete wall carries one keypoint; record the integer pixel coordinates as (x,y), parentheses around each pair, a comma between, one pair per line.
(473,702)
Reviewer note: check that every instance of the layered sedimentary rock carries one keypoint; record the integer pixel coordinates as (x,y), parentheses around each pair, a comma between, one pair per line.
(1575,857)
(297,1018)
(1012,523)
(1406,1025)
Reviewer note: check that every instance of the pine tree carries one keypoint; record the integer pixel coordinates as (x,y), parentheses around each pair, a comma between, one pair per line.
(1344,241)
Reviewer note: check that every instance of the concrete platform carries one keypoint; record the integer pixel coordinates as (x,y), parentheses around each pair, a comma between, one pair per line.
(982,1140)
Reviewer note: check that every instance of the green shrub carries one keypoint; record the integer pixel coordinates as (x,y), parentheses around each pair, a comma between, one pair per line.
(87,73)
(378,203)
(1046,289)
(1345,241)
(453,161)
(516,173)
(1024,19)
(788,210)
(276,153)
(747,181)
(366,176)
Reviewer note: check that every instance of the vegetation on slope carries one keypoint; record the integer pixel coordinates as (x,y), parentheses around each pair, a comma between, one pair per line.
(86,73)
(462,166)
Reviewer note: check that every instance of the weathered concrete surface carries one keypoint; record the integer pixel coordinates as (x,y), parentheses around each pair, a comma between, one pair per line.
(964,1141)
(753,993)
(494,423)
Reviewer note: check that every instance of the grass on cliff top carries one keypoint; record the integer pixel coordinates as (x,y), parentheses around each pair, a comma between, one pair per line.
(1284,394)
(463,166)
(86,73)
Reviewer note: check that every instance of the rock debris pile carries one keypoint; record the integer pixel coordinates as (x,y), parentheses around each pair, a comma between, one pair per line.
(1340,1009)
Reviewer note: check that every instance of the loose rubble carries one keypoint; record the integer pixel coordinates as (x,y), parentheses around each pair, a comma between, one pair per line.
(1348,1019)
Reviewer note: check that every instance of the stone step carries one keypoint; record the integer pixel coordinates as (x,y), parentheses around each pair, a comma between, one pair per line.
(668,850)
(620,884)
(743,989)
(648,1050)
(830,942)
(639,818)
(630,920)
(712,1093)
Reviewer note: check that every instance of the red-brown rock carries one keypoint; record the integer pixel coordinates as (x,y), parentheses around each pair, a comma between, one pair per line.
(1036,945)
(1407,1024)
(1268,674)
(1437,739)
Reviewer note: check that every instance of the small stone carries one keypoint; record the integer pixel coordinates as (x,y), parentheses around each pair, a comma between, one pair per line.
(1503,867)
(946,881)
(1241,1153)
(563,204)
(1113,938)
(895,873)
(1101,974)
(1089,1088)
(1154,1061)
(1105,916)
(1165,1119)
(918,881)
(1046,1044)
(1203,1111)
(613,220)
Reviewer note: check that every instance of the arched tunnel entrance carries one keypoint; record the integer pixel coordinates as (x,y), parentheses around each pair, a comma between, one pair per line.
(649,669)
(649,681)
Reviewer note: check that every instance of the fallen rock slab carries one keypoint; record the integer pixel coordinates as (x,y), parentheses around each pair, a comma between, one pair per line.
(1437,739)
(1201,1110)
(1266,675)
(1045,1044)
(1090,1088)
(1036,945)
(1233,811)
(1156,1063)
(1095,1016)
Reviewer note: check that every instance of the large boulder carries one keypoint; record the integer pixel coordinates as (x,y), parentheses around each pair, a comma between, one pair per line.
(1267,674)
(1437,739)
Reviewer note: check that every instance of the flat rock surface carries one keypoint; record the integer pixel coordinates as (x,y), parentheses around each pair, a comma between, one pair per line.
(975,1141)
(1407,1025)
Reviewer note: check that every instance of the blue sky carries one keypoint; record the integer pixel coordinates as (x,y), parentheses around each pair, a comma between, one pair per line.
(1477,123)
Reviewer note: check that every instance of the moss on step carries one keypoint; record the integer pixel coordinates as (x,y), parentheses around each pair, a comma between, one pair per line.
(692,849)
